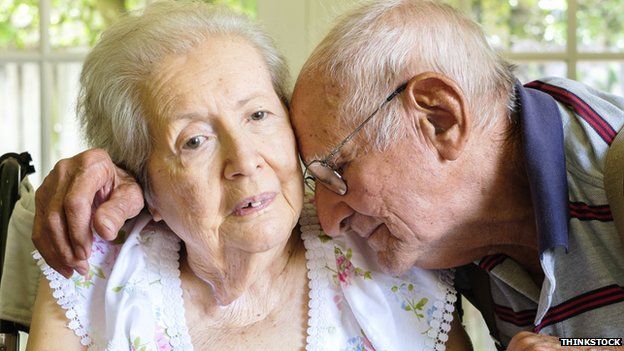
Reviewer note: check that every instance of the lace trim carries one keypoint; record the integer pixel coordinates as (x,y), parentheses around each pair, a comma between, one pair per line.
(163,261)
(318,278)
(443,315)
(64,291)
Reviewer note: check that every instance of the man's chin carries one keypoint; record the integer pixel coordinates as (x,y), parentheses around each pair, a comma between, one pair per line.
(391,265)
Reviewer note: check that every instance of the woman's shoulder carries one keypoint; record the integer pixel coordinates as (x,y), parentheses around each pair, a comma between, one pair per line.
(129,282)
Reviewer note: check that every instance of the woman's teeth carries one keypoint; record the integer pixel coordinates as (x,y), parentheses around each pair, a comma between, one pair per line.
(254,204)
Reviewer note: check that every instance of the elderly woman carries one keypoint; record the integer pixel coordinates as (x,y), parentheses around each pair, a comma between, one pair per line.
(192,100)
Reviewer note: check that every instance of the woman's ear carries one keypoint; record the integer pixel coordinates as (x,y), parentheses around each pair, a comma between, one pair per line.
(149,200)
(155,215)
(441,112)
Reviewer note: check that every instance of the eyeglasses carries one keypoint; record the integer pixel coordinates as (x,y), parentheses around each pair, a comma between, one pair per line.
(324,172)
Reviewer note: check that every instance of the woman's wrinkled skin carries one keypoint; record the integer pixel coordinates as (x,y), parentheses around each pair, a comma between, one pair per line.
(221,140)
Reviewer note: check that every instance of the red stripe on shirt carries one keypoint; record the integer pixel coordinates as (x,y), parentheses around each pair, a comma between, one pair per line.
(520,318)
(488,263)
(585,302)
(580,107)
(585,212)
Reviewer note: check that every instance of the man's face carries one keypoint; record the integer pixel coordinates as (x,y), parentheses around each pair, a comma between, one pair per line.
(400,200)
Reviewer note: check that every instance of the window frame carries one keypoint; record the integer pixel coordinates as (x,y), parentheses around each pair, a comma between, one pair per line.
(45,58)
(571,56)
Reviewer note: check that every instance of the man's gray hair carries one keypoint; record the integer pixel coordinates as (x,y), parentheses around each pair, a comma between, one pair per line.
(111,104)
(376,47)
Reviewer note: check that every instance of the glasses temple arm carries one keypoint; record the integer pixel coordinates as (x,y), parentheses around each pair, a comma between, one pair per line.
(398,91)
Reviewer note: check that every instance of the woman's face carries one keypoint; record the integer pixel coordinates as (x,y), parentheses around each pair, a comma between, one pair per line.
(224,171)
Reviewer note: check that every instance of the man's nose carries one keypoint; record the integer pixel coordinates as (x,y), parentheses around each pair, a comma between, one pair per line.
(242,158)
(333,212)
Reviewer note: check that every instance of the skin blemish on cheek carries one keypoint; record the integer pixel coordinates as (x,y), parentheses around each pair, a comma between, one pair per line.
(186,190)
(183,193)
(189,192)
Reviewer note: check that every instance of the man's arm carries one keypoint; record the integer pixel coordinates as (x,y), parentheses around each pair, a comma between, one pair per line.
(82,192)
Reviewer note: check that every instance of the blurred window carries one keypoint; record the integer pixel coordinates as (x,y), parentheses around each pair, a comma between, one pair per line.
(42,46)
(578,39)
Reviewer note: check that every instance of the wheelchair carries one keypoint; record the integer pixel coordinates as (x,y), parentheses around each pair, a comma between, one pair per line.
(13,169)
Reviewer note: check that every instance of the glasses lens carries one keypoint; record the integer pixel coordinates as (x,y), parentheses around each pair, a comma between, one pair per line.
(330,178)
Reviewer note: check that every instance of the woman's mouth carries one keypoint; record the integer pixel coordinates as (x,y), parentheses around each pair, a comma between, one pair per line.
(253,204)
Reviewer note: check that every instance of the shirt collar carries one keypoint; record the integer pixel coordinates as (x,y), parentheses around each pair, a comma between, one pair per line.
(542,138)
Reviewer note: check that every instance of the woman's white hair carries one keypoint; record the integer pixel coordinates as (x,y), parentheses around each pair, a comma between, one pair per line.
(373,49)
(111,104)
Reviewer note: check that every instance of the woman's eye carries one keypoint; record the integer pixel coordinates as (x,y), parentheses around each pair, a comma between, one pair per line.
(258,115)
(194,142)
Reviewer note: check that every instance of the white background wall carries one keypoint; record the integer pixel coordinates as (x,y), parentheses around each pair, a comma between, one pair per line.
(299,25)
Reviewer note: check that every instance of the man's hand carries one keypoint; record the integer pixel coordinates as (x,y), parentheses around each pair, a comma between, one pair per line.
(526,341)
(82,192)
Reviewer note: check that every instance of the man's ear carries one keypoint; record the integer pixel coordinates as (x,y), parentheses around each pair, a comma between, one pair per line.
(442,112)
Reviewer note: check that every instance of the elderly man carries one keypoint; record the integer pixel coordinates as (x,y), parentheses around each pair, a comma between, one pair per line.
(420,140)
(425,146)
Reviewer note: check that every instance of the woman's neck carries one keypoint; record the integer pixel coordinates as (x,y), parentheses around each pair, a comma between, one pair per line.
(249,290)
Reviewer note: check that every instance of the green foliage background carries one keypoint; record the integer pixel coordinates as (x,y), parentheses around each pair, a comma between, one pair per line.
(541,26)
(73,23)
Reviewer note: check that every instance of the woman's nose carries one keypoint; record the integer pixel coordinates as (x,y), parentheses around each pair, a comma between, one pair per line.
(333,212)
(242,160)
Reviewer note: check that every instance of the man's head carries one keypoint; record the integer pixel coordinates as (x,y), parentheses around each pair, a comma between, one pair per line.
(410,170)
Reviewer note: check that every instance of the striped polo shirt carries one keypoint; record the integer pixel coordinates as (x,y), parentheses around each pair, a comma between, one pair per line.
(567,128)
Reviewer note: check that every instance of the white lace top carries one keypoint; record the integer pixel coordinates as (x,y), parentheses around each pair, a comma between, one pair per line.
(132,297)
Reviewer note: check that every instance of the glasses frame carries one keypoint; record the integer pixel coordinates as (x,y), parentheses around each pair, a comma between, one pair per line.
(309,175)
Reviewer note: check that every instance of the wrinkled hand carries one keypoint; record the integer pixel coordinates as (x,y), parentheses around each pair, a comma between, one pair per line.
(526,341)
(80,192)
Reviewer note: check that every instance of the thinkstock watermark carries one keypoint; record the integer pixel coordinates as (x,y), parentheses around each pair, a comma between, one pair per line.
(590,341)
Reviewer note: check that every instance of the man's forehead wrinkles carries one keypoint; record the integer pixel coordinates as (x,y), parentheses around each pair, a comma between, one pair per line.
(319,126)
(321,154)
(325,142)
